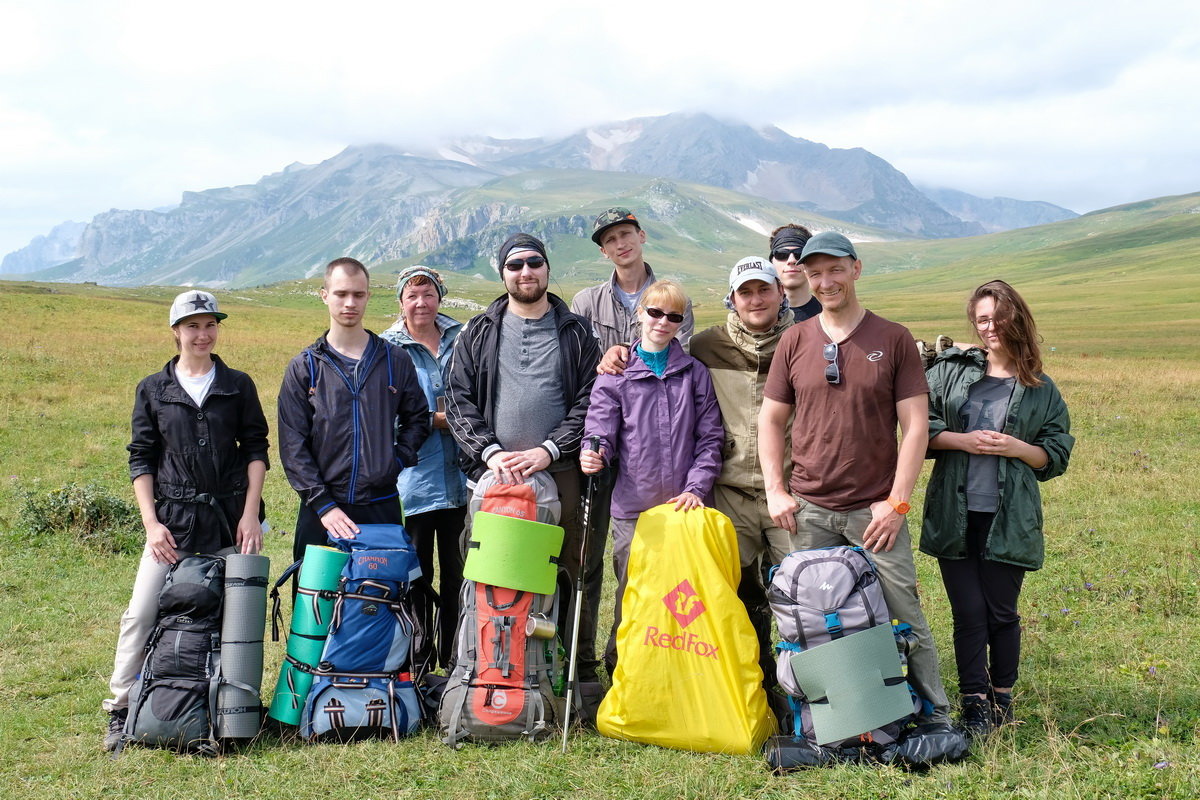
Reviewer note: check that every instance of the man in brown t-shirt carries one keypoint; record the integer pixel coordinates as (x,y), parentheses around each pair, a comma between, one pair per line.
(851,377)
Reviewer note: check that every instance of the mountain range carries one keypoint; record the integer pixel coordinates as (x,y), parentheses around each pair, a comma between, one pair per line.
(704,187)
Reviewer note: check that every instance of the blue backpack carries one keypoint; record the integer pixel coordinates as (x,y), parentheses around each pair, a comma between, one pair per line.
(365,682)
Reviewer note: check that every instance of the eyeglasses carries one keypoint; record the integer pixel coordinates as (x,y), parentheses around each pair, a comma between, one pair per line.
(783,255)
(832,373)
(985,322)
(517,264)
(658,313)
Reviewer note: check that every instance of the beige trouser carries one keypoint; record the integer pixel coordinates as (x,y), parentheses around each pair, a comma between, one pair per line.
(820,527)
(137,623)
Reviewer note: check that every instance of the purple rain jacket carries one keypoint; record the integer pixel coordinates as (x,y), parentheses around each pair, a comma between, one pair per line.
(666,432)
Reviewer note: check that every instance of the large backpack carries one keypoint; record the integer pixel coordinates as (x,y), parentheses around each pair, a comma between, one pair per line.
(826,595)
(364,685)
(508,680)
(173,702)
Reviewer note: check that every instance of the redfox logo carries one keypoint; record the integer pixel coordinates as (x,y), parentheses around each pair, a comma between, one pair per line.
(688,643)
(684,603)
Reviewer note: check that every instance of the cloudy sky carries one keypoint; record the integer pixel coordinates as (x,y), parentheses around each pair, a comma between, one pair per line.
(127,103)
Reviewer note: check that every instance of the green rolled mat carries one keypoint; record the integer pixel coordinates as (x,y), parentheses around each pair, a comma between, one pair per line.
(514,553)
(320,572)
(243,623)
(290,694)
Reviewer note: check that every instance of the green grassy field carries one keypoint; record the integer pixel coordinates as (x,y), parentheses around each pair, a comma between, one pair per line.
(1110,687)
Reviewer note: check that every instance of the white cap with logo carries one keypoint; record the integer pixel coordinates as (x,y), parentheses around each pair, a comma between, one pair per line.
(189,304)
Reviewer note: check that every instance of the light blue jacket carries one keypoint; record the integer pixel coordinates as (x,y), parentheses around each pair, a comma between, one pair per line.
(435,482)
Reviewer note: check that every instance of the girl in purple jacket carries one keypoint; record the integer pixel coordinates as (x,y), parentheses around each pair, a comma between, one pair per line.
(659,422)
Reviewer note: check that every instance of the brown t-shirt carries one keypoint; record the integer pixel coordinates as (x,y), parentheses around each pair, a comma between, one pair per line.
(844,436)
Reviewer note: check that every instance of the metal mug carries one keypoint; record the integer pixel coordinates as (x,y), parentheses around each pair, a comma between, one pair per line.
(540,627)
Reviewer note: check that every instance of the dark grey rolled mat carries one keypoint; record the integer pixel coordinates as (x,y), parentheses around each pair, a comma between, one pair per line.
(239,704)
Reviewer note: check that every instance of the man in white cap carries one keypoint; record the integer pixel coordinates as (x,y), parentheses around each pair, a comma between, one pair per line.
(849,377)
(738,355)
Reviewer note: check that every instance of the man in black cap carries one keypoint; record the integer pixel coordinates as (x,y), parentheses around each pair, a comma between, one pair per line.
(520,380)
(787,243)
(611,307)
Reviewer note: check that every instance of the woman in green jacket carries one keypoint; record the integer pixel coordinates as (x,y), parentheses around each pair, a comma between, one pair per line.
(997,426)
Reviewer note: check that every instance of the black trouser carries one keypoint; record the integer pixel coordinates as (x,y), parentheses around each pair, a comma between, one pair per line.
(983,600)
(443,528)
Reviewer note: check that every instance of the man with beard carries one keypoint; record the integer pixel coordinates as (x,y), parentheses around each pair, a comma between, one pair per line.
(738,355)
(520,380)
(351,414)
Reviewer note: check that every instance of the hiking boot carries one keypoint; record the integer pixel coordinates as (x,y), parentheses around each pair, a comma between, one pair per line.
(943,342)
(1002,710)
(116,729)
(976,720)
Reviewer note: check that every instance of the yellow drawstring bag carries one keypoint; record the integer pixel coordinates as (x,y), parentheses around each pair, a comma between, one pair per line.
(687,674)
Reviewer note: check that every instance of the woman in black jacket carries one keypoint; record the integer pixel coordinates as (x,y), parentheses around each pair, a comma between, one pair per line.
(197,458)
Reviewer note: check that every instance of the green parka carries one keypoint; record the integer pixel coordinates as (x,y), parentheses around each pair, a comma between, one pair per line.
(1035,415)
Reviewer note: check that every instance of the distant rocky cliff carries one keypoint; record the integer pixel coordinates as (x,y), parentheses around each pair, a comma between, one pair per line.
(454,206)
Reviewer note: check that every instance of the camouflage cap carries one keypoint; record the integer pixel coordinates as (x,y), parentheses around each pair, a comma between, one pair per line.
(614,216)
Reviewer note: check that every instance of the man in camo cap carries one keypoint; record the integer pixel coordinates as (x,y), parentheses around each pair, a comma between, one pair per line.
(611,306)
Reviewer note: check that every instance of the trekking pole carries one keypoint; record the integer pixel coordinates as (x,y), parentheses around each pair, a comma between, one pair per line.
(586,527)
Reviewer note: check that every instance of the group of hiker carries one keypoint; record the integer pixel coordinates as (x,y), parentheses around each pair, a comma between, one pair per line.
(784,418)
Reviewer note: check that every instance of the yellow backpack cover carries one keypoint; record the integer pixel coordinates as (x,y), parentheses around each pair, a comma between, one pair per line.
(687,675)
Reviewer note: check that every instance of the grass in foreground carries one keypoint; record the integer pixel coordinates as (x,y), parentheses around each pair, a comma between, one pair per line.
(1110,690)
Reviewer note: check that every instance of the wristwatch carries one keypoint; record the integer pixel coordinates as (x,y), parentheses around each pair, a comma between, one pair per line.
(900,506)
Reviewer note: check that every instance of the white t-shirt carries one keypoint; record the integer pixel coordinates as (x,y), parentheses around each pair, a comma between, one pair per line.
(197,387)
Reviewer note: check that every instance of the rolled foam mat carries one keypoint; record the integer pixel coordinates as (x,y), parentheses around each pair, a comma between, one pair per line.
(243,623)
(310,625)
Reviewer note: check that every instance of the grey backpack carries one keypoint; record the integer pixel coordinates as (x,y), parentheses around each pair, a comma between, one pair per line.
(818,596)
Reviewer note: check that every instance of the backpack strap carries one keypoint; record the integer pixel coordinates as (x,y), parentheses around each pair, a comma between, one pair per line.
(276,611)
(312,372)
(387,356)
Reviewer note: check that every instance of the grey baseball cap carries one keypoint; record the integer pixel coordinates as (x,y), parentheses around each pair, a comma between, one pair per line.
(189,304)
(831,244)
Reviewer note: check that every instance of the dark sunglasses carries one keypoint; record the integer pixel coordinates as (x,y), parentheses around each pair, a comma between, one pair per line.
(832,373)
(658,313)
(782,255)
(517,264)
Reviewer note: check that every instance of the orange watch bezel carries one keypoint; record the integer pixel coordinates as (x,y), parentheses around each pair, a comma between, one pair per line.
(899,506)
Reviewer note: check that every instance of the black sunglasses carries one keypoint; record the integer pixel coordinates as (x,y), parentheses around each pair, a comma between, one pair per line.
(782,255)
(658,313)
(517,264)
(832,373)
